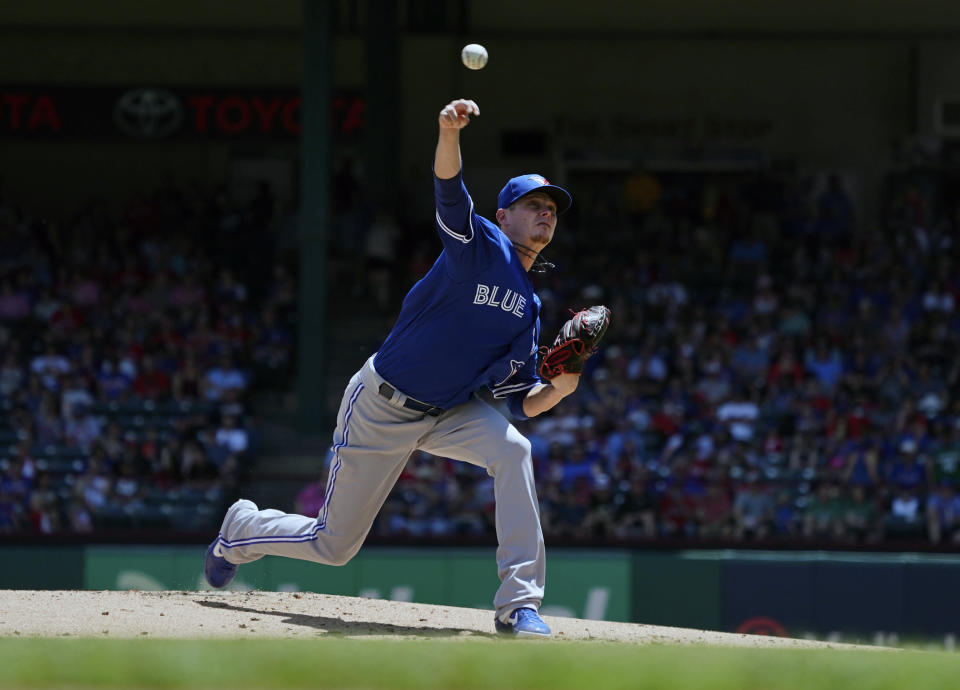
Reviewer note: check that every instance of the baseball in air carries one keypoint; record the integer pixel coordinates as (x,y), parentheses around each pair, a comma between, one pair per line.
(474,56)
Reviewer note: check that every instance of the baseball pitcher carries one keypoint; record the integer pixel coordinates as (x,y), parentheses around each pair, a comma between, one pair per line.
(472,321)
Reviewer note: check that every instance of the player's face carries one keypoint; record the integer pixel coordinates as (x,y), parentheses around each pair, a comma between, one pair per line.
(531,219)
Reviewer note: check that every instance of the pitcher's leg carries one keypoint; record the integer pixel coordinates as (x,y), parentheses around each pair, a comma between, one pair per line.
(478,434)
(372,442)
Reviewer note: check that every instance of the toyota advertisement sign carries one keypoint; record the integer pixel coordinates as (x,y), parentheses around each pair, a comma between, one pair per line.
(153,113)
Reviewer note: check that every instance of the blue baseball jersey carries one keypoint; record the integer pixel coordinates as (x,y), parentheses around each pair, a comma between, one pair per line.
(473,320)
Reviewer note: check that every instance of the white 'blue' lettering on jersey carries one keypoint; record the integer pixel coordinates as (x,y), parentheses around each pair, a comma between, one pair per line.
(472,321)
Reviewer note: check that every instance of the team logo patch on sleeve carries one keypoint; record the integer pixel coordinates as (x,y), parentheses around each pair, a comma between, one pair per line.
(515,366)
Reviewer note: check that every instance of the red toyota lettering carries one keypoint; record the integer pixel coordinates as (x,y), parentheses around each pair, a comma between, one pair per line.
(290,117)
(266,112)
(354,117)
(44,115)
(233,124)
(15,102)
(201,106)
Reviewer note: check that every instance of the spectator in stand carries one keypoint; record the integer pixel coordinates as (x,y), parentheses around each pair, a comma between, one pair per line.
(26,404)
(113,382)
(469,517)
(824,514)
(860,372)
(786,520)
(79,519)
(48,425)
(943,514)
(188,292)
(310,498)
(752,510)
(151,383)
(94,486)
(14,303)
(44,508)
(380,258)
(272,347)
(714,379)
(568,508)
(648,368)
(201,338)
(860,516)
(84,291)
(127,490)
(600,520)
(282,291)
(223,377)
(75,392)
(188,380)
(232,436)
(930,392)
(234,402)
(908,469)
(50,366)
(18,482)
(825,363)
(766,300)
(229,288)
(11,511)
(165,473)
(835,214)
(795,323)
(113,443)
(714,511)
(195,467)
(12,374)
(676,511)
(636,514)
(739,413)
(904,518)
(751,356)
(944,463)
(863,464)
(82,427)
(786,369)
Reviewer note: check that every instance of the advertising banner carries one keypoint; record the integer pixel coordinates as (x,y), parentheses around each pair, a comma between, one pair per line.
(582,584)
(40,567)
(850,597)
(150,112)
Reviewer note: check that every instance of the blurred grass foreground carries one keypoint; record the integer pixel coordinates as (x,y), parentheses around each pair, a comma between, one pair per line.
(333,663)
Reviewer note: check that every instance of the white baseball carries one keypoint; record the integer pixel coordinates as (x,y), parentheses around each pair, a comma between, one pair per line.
(474,56)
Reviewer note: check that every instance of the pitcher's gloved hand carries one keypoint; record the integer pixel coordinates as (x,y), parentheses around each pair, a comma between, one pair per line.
(575,342)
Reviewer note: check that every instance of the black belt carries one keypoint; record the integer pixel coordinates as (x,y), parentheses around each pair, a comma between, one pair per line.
(387,391)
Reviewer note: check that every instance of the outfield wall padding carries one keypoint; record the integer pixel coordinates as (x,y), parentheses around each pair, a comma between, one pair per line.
(787,593)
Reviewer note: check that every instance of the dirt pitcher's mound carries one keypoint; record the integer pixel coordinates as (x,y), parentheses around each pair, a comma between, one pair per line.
(188,615)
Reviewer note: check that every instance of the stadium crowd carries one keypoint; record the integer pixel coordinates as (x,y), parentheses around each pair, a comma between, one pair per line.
(775,372)
(129,345)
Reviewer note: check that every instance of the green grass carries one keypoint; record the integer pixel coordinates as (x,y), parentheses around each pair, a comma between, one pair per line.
(339,663)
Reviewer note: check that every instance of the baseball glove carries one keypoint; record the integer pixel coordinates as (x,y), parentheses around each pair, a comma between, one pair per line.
(575,342)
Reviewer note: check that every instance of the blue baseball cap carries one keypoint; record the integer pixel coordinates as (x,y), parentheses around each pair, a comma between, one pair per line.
(522,185)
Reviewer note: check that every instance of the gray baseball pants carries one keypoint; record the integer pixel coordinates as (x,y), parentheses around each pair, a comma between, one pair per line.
(372,441)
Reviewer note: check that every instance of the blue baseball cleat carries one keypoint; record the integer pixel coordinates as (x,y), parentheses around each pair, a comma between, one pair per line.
(523,623)
(217,569)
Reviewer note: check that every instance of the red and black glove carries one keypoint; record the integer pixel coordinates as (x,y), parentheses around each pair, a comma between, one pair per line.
(575,343)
